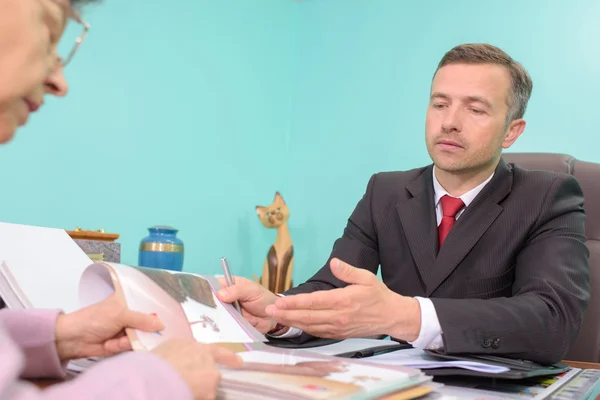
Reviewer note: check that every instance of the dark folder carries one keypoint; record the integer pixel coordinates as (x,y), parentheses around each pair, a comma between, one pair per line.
(307,341)
(518,369)
(295,343)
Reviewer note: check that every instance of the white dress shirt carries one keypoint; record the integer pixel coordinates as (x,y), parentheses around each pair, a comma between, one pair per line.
(430,335)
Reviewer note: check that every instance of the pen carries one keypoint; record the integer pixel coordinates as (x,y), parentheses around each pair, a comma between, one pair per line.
(229,280)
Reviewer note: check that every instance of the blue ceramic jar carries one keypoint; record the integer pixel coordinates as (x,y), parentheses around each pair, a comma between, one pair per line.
(161,249)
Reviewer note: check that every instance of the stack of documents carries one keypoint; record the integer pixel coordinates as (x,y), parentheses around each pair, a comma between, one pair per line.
(388,352)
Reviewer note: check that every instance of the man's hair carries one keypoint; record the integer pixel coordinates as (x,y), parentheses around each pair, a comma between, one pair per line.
(481,53)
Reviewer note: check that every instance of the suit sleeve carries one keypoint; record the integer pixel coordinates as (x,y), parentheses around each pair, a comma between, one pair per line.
(357,246)
(551,290)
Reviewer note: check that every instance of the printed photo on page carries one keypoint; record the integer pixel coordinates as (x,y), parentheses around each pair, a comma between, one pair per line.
(313,376)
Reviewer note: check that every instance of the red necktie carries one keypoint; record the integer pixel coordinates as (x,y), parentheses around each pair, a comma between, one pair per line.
(450,206)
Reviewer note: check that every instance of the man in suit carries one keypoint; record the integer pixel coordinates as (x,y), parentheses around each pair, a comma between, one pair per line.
(476,255)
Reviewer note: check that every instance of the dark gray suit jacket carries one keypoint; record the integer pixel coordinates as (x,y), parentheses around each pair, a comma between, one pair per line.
(512,277)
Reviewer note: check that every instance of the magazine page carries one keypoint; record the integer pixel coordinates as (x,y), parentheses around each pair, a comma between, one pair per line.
(42,266)
(186,303)
(303,374)
(139,293)
(10,291)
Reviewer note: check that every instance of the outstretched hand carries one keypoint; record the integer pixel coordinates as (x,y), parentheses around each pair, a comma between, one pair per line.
(363,308)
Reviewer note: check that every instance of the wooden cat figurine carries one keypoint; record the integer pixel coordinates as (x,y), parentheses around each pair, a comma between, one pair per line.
(279,264)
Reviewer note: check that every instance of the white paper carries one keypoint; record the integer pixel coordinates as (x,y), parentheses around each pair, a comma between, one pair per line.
(10,297)
(416,358)
(95,285)
(45,263)
(211,325)
(83,364)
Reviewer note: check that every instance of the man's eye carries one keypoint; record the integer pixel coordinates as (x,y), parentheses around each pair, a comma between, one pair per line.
(476,111)
(439,106)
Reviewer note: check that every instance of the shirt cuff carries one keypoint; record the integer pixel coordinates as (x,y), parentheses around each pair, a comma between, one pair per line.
(34,332)
(430,336)
(291,333)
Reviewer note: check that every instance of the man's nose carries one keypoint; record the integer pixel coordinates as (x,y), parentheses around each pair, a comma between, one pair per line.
(452,120)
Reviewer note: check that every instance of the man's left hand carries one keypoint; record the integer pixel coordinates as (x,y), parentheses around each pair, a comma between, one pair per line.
(99,330)
(365,307)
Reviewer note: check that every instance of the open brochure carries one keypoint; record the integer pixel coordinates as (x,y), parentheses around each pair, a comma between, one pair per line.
(44,268)
(185,303)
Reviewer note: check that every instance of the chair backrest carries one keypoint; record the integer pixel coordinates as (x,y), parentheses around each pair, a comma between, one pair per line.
(587,344)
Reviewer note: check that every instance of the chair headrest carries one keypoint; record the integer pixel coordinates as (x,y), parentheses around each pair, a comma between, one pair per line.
(544,161)
(586,173)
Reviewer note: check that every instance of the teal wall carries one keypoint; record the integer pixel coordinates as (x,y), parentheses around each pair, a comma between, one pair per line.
(191,114)
(177,115)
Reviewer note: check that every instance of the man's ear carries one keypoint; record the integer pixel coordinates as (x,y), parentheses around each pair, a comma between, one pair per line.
(515,129)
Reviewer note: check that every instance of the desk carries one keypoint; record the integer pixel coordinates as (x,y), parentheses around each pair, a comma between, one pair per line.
(583,365)
(42,383)
(582,382)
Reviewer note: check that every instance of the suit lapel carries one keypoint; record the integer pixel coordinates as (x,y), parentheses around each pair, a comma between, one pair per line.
(417,215)
(470,226)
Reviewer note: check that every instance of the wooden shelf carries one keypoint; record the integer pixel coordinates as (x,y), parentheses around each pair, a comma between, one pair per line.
(93,235)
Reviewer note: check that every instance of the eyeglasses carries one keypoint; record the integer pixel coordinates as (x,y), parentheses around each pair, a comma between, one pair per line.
(74,15)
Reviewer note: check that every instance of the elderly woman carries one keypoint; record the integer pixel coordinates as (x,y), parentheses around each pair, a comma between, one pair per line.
(36,343)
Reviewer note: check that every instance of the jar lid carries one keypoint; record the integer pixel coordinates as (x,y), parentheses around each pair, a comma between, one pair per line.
(162,228)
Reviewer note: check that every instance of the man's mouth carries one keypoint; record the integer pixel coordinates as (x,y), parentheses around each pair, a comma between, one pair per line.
(449,144)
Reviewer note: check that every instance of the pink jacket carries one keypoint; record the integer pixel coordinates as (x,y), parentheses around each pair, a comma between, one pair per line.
(27,350)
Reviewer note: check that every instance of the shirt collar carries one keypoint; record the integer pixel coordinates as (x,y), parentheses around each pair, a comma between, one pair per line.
(467,198)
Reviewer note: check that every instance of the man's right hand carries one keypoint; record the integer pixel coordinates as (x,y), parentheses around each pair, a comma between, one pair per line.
(253,299)
(197,364)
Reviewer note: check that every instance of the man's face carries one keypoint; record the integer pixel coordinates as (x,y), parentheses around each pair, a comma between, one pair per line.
(29,66)
(466,119)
